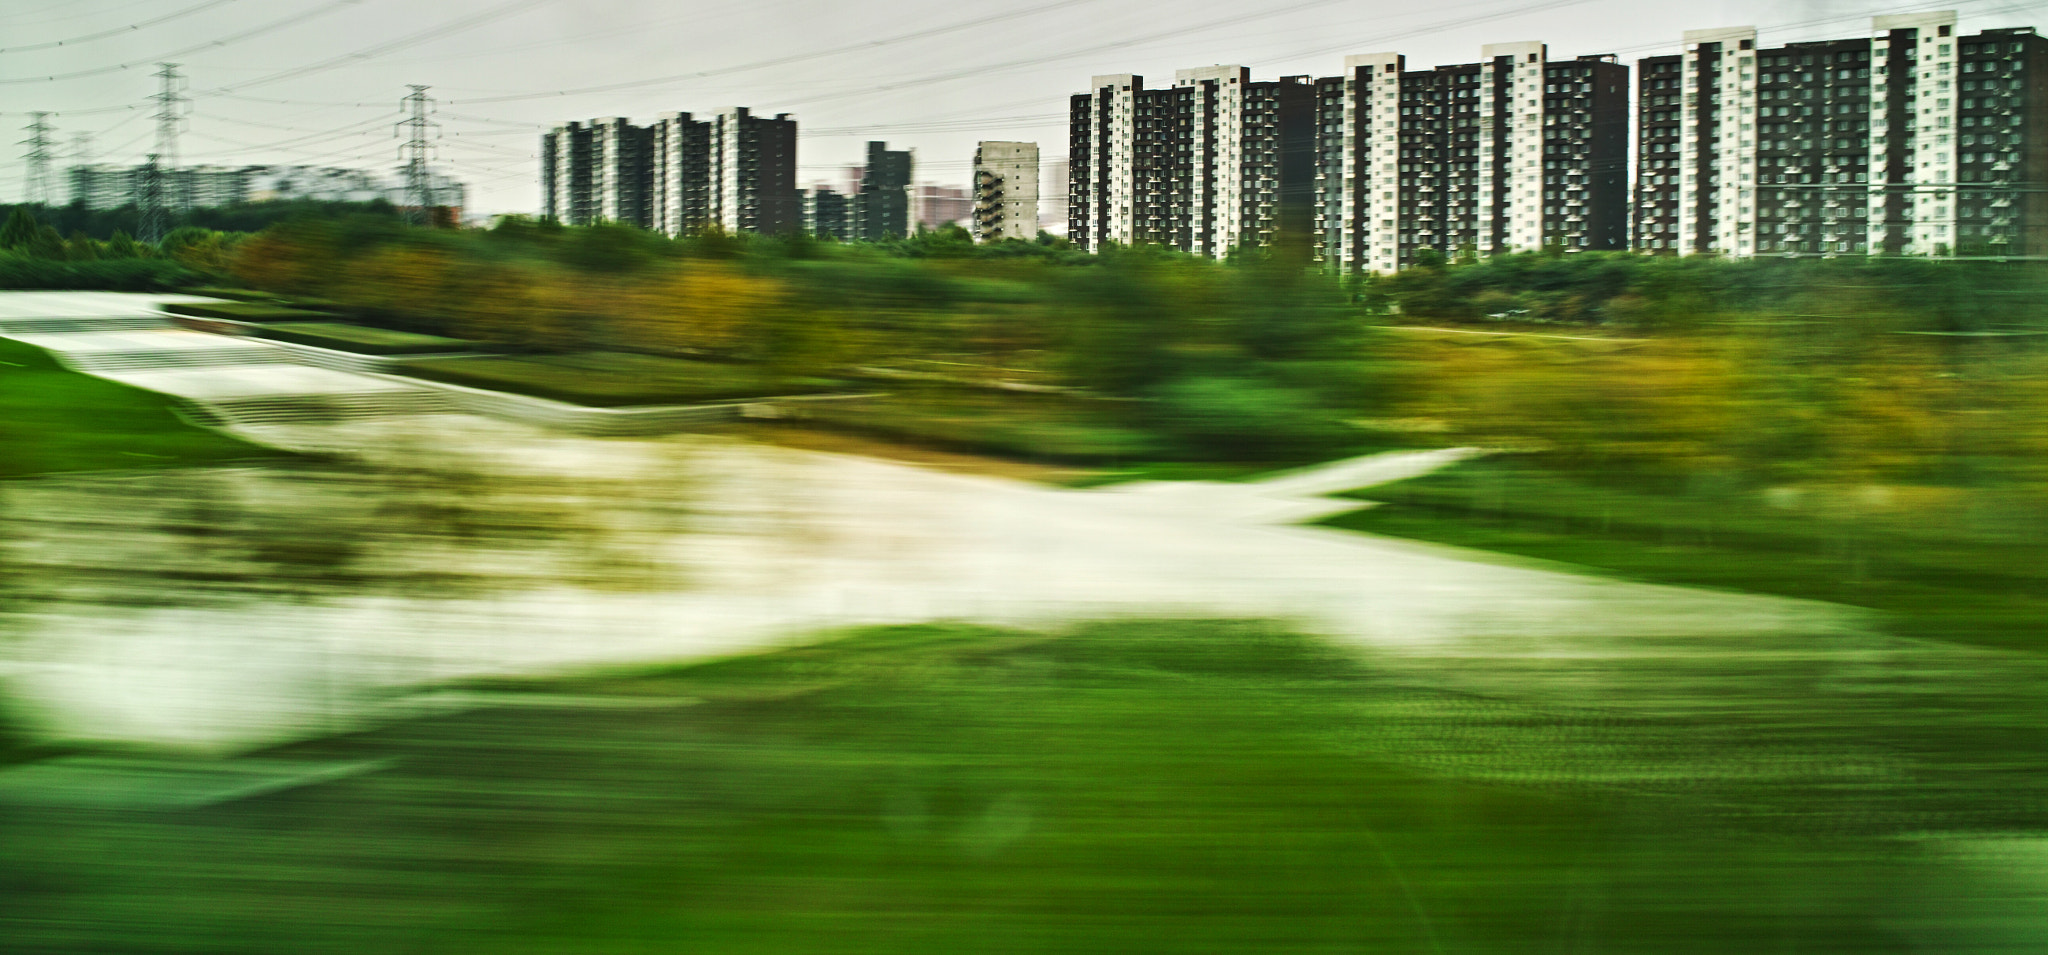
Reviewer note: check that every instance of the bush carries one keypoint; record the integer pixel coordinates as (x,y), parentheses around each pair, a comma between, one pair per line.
(609,379)
(355,338)
(1246,419)
(243,311)
(112,275)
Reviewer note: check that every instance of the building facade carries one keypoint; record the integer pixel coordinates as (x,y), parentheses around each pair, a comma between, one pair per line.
(1005,191)
(828,212)
(732,170)
(1214,162)
(882,208)
(753,172)
(679,172)
(1515,152)
(1913,140)
(106,186)
(566,162)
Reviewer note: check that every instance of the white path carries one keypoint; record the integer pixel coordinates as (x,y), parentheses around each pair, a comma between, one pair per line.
(784,543)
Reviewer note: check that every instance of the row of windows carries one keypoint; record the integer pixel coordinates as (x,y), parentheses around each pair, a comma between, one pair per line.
(1859,74)
(1806,59)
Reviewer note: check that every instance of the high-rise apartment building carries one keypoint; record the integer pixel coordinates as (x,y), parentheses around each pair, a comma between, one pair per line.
(882,208)
(680,189)
(1914,140)
(598,172)
(827,212)
(1515,152)
(1005,191)
(733,170)
(753,171)
(621,176)
(1213,162)
(566,163)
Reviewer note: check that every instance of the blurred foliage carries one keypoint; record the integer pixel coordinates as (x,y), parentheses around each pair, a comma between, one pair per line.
(1757,372)
(1648,293)
(126,220)
(1191,351)
(33,255)
(610,379)
(1131,787)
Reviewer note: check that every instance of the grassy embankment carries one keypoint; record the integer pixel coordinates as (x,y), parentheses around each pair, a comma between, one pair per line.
(1976,578)
(1135,787)
(53,419)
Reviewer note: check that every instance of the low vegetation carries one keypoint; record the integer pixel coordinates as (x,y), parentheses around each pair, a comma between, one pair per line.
(611,379)
(52,419)
(1937,562)
(357,338)
(1134,787)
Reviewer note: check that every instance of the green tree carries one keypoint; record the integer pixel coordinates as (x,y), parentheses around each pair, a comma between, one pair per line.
(19,231)
(80,247)
(120,247)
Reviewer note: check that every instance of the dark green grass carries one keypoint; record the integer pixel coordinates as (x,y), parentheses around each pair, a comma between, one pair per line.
(52,419)
(612,379)
(1031,427)
(237,294)
(1129,788)
(253,311)
(357,338)
(1935,580)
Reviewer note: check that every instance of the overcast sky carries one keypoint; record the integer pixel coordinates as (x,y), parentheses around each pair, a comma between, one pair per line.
(318,81)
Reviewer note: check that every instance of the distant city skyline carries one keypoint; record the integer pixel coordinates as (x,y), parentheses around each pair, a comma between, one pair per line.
(317,82)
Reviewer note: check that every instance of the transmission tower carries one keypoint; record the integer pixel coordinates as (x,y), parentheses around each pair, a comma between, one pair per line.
(38,143)
(158,191)
(419,186)
(149,198)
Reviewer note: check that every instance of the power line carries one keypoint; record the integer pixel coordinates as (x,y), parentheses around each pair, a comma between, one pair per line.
(117,31)
(214,44)
(783,60)
(413,39)
(1116,46)
(69,18)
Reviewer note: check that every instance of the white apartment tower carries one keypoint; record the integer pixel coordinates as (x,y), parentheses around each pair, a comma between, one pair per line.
(1513,153)
(1005,191)
(1912,140)
(1212,163)
(733,170)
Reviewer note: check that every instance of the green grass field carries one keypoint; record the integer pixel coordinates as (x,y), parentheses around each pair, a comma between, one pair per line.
(1137,787)
(1045,428)
(1932,577)
(52,419)
(362,339)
